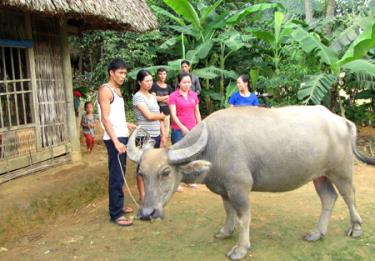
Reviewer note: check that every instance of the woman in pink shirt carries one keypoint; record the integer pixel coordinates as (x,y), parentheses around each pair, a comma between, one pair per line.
(184,108)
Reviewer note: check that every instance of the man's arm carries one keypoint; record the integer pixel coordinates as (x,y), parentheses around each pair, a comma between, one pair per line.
(197,85)
(161,98)
(105,97)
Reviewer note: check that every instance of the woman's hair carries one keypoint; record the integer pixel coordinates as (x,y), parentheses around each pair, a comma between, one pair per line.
(181,75)
(87,103)
(141,75)
(245,78)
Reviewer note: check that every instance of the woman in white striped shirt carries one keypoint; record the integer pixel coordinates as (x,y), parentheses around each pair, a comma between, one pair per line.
(148,116)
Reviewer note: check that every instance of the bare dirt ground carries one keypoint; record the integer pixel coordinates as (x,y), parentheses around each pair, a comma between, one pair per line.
(61,214)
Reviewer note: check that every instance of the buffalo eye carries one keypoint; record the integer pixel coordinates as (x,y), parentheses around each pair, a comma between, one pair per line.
(165,173)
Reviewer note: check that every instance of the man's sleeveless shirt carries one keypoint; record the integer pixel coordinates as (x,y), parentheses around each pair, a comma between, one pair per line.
(117,116)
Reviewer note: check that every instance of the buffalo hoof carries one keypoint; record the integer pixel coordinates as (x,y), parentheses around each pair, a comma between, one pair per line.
(354,231)
(223,235)
(237,253)
(313,236)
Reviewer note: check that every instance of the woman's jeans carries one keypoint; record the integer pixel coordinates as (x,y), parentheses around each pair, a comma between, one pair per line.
(176,135)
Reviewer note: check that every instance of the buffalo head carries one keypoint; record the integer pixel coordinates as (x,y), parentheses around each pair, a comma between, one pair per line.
(163,169)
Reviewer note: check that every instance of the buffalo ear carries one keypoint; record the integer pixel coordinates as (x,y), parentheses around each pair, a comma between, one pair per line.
(194,171)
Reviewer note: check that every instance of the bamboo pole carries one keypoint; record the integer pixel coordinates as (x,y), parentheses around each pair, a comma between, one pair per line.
(68,87)
(34,87)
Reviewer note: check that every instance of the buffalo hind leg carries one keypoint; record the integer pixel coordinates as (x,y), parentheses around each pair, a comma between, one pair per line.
(239,200)
(230,221)
(346,190)
(328,196)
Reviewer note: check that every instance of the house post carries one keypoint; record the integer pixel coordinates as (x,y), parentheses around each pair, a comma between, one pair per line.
(68,85)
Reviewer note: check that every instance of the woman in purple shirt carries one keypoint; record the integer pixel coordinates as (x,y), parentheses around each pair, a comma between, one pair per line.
(243,97)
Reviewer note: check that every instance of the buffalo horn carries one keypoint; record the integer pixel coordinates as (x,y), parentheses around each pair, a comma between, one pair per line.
(176,156)
(134,153)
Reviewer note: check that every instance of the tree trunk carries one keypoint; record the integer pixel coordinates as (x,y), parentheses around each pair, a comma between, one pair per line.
(308,11)
(331,8)
(334,93)
(330,12)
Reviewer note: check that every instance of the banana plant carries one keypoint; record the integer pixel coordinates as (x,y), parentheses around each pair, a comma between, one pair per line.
(316,87)
(229,41)
(201,26)
(276,38)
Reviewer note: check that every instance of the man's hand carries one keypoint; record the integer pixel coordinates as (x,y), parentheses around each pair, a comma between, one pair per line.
(120,147)
(131,126)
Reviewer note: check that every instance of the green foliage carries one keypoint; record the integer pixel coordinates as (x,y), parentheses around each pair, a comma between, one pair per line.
(94,49)
(349,31)
(359,48)
(316,87)
(186,10)
(237,17)
(360,114)
(254,74)
(310,42)
(200,52)
(230,89)
(361,66)
(163,12)
(223,39)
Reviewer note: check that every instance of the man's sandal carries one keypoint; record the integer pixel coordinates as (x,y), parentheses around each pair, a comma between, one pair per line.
(123,222)
(127,210)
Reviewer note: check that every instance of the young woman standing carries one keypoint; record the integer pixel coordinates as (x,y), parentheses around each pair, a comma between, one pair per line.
(244,96)
(148,116)
(184,109)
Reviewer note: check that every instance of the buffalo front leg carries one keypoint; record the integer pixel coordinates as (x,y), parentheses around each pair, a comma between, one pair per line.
(240,202)
(328,196)
(230,221)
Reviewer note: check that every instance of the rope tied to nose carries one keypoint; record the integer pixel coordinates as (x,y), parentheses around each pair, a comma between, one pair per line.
(141,140)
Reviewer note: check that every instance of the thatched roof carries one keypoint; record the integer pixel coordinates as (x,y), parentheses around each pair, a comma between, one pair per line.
(132,15)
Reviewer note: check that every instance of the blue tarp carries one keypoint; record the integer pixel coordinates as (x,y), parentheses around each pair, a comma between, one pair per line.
(16,43)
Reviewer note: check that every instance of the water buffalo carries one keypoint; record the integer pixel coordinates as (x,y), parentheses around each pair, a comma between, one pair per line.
(238,150)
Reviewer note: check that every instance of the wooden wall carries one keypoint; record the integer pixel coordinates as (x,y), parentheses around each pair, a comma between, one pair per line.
(45,135)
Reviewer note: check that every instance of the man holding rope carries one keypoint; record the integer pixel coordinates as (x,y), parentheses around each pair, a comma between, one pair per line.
(116,131)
